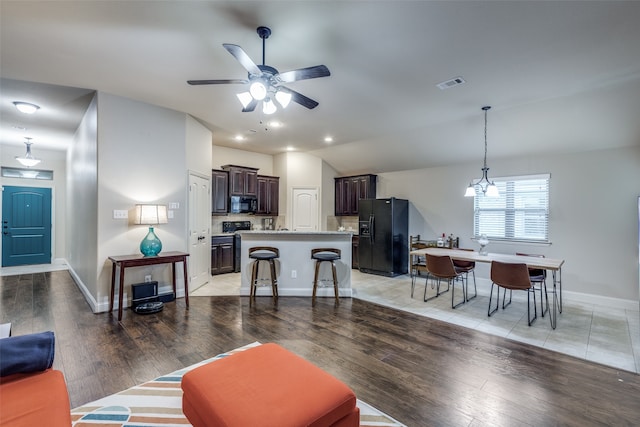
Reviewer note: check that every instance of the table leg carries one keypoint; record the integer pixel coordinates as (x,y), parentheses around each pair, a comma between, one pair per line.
(560,288)
(121,292)
(113,286)
(553,312)
(186,282)
(173,279)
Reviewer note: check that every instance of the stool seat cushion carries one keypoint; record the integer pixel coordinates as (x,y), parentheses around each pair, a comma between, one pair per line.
(263,255)
(325,256)
(266,386)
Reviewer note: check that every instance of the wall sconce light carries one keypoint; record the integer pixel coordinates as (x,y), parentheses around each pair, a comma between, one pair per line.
(150,215)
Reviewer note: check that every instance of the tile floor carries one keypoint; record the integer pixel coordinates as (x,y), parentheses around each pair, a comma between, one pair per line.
(596,333)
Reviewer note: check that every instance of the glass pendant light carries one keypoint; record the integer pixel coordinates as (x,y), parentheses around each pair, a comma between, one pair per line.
(488,187)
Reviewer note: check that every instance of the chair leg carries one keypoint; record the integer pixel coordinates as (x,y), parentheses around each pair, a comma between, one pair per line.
(315,284)
(335,282)
(453,284)
(475,287)
(426,284)
(535,309)
(489,311)
(274,281)
(505,297)
(254,276)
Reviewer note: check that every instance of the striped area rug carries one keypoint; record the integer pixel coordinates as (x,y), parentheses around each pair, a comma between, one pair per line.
(158,403)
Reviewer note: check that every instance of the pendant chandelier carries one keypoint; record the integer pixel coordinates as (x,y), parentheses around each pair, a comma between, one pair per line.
(488,187)
(28,160)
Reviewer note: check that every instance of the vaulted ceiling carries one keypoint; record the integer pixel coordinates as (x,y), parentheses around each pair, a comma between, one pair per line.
(560,76)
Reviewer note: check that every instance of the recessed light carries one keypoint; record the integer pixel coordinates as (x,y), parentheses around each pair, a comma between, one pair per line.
(290,148)
(275,124)
(328,139)
(26,107)
(239,138)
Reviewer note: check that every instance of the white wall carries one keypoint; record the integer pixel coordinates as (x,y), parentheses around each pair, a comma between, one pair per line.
(231,156)
(81,207)
(53,160)
(593,213)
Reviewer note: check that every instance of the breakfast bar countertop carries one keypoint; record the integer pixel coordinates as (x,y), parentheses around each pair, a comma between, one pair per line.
(295,268)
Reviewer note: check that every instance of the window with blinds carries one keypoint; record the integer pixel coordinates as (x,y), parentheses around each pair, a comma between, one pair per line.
(520,213)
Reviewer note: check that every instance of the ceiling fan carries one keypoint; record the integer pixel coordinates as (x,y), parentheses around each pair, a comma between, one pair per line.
(265,82)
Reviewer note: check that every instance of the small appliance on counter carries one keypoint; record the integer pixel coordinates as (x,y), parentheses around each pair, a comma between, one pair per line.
(232,227)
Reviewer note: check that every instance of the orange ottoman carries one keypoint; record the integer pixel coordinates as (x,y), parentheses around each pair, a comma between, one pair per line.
(266,386)
(35,399)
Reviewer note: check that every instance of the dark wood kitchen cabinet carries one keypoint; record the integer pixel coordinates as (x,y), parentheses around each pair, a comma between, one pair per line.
(243,181)
(222,254)
(268,195)
(219,192)
(349,191)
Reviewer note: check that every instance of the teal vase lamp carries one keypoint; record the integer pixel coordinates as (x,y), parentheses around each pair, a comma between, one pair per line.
(150,215)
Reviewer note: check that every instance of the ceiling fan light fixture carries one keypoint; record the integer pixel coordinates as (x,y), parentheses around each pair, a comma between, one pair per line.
(26,107)
(283,98)
(245,98)
(258,90)
(268,106)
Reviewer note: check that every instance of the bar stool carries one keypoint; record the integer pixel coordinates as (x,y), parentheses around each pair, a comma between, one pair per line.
(268,254)
(321,255)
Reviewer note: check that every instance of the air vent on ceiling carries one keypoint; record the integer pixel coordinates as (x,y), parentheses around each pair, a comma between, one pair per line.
(450,83)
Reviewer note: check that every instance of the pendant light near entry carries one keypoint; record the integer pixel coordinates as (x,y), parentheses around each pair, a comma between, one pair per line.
(28,160)
(488,187)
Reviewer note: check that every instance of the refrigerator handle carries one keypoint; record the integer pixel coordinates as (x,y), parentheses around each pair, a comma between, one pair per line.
(372,228)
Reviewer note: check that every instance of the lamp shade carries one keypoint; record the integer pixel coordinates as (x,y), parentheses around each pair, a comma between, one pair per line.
(150,214)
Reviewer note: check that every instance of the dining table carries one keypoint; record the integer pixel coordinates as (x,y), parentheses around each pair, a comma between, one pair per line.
(554,265)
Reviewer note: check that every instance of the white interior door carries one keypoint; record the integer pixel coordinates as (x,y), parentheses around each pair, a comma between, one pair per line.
(304,209)
(199,231)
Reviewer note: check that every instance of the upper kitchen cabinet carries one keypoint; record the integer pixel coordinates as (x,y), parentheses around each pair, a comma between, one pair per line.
(219,192)
(268,195)
(349,191)
(243,181)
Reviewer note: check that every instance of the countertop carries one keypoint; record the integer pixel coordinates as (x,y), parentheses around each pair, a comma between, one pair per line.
(281,232)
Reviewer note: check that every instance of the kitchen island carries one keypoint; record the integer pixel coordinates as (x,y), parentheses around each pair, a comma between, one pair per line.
(295,268)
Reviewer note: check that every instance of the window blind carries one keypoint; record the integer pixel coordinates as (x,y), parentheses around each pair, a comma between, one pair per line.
(520,213)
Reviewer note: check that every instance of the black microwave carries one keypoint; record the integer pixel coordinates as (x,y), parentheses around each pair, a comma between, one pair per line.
(243,204)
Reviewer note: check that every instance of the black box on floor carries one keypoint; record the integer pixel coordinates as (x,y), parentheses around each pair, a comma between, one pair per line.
(166,296)
(143,293)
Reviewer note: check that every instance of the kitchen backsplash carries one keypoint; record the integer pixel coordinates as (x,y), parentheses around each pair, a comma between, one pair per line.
(256,221)
(350,223)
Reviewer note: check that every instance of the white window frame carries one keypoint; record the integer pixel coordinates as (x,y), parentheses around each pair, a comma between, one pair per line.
(514,216)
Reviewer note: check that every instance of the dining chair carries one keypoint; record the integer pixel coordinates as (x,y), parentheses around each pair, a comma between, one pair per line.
(418,263)
(466,267)
(539,276)
(441,268)
(512,276)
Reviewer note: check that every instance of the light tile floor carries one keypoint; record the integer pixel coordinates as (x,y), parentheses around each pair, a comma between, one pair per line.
(596,333)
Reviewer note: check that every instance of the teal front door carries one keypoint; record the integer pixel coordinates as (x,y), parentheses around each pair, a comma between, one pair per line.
(26,226)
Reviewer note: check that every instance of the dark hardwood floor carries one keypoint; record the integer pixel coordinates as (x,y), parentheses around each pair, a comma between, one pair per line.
(421,371)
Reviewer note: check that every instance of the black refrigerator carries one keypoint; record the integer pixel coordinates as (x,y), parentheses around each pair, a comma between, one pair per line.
(383,245)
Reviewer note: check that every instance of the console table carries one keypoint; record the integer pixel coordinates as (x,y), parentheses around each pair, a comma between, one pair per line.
(138,260)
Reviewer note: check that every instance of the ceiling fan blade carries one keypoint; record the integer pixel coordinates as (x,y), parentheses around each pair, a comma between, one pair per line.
(300,98)
(250,107)
(242,58)
(304,74)
(217,82)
